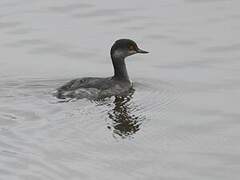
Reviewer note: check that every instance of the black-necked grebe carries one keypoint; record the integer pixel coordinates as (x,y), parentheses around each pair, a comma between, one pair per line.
(98,88)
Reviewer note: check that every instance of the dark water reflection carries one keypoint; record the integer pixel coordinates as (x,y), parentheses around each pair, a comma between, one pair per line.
(124,116)
(125,121)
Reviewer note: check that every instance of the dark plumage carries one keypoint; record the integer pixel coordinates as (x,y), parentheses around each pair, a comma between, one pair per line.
(97,88)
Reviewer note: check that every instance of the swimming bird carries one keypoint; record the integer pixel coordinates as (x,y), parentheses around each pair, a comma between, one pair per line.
(97,88)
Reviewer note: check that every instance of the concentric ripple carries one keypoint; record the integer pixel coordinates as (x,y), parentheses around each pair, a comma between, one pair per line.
(35,129)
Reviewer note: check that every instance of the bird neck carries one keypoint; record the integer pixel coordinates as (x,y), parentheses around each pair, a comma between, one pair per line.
(120,70)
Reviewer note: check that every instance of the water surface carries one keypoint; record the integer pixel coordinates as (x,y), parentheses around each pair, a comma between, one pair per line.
(181,121)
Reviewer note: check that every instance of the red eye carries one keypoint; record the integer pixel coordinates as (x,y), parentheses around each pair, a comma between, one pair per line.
(131,48)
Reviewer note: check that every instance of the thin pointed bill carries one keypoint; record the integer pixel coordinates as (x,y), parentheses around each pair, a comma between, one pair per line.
(142,51)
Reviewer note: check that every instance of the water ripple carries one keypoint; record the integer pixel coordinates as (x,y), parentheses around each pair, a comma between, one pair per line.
(70,7)
(9,25)
(103,13)
(223,49)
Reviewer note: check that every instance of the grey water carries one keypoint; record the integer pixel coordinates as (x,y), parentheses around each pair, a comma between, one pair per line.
(181,121)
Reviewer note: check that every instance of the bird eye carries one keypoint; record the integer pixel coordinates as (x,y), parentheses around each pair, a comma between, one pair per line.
(131,48)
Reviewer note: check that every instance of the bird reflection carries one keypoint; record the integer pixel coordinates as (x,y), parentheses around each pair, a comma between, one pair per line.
(124,118)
